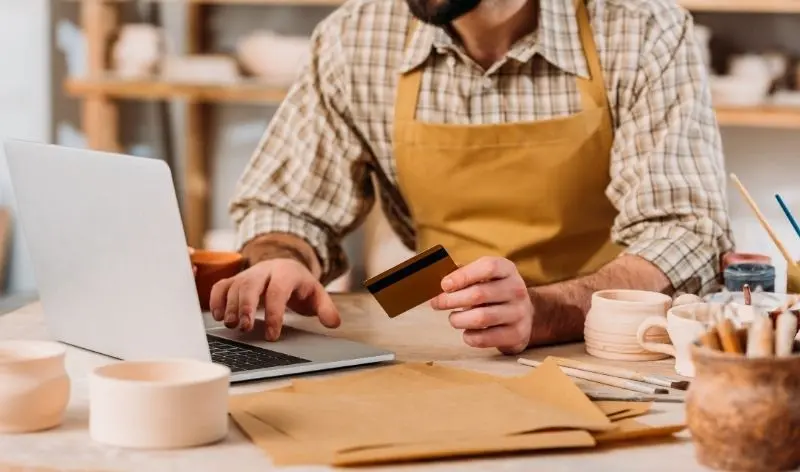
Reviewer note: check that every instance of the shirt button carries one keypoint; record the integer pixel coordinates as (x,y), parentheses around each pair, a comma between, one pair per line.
(487,83)
(451,61)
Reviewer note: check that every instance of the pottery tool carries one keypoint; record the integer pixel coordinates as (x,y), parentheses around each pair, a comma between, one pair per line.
(603,379)
(412,282)
(747,296)
(728,338)
(622,373)
(785,331)
(612,397)
(711,340)
(788,214)
(762,220)
(760,338)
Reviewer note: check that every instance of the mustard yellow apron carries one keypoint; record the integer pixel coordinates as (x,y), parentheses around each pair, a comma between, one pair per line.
(532,192)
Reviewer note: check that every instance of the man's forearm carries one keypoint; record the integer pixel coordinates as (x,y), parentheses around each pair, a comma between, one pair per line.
(282,246)
(564,305)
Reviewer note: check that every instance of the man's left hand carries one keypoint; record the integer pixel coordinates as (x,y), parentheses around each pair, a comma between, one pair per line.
(490,302)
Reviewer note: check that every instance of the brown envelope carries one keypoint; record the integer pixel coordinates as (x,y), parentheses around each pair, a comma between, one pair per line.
(630,429)
(617,410)
(462,448)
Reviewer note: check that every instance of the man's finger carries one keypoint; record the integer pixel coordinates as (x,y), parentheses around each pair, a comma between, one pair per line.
(249,295)
(324,307)
(219,298)
(275,299)
(484,317)
(482,270)
(231,318)
(502,337)
(498,291)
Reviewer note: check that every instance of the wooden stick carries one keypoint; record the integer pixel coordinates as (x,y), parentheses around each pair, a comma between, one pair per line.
(760,338)
(711,340)
(747,296)
(785,331)
(728,338)
(603,379)
(622,373)
(763,220)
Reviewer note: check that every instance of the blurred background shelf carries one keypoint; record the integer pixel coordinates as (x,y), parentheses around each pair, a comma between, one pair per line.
(744,6)
(256,93)
(760,117)
(242,93)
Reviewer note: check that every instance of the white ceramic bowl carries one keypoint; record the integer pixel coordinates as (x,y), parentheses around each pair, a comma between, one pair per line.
(739,91)
(277,59)
(159,404)
(34,386)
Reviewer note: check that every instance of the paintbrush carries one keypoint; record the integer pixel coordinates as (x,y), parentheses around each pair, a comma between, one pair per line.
(788,214)
(763,220)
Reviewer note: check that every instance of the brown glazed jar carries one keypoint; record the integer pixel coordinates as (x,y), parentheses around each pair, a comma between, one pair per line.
(744,414)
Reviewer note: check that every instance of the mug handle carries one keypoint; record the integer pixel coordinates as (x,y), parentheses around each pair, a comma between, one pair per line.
(647,324)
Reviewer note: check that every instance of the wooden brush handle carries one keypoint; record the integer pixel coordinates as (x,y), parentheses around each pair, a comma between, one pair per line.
(728,338)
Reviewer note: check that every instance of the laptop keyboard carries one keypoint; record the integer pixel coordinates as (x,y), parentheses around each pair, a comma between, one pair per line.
(243,357)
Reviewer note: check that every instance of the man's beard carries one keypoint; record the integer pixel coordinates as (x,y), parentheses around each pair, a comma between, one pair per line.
(441,12)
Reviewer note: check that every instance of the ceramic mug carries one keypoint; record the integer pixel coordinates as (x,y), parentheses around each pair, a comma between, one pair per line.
(34,386)
(612,323)
(686,323)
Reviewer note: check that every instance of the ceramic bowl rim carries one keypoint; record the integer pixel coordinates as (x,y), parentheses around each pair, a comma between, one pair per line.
(36,350)
(601,295)
(211,372)
(227,258)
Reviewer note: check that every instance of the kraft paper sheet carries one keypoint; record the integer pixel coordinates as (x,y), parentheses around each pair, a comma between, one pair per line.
(427,411)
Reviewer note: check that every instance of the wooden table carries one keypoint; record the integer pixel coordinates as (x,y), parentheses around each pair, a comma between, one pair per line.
(420,335)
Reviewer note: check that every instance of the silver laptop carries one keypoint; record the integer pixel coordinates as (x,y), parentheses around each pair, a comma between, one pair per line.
(109,252)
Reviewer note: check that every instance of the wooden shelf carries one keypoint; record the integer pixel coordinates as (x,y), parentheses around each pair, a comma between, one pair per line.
(760,117)
(743,6)
(248,92)
(237,2)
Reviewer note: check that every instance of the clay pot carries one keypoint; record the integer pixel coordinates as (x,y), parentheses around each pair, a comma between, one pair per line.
(138,51)
(744,413)
(213,266)
(276,58)
(614,319)
(160,404)
(34,386)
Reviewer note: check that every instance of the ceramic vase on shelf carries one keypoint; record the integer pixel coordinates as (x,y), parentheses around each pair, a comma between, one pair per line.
(138,51)
(34,386)
(274,58)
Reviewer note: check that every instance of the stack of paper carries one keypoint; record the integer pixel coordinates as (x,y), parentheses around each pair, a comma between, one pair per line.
(427,411)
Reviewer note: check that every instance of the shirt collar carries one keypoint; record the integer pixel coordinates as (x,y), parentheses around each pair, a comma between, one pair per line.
(557,39)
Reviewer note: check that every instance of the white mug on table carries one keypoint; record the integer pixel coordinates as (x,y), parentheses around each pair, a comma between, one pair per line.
(684,324)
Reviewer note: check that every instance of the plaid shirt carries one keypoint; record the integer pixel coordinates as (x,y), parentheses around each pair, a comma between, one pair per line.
(310,175)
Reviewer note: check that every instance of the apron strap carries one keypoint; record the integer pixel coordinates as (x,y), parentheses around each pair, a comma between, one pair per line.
(408,84)
(593,89)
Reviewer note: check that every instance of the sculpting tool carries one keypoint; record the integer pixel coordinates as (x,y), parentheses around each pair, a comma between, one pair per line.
(623,373)
(603,379)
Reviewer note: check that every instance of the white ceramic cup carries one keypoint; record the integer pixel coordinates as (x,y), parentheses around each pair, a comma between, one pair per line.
(34,386)
(159,404)
(684,324)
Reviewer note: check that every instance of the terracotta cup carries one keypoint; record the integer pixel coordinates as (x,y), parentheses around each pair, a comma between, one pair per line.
(614,319)
(165,404)
(744,413)
(213,266)
(34,386)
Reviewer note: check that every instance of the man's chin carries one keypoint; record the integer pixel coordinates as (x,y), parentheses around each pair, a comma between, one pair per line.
(440,12)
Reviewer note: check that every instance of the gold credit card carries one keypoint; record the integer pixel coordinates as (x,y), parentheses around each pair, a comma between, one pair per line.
(412,282)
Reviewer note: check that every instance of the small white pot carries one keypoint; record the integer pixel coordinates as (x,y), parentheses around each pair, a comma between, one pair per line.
(159,404)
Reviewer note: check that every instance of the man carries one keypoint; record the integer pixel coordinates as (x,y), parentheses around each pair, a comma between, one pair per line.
(554,148)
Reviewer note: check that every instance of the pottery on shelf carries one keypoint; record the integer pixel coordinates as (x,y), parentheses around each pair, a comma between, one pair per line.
(614,319)
(213,266)
(138,51)
(744,413)
(34,386)
(275,58)
(213,69)
(166,404)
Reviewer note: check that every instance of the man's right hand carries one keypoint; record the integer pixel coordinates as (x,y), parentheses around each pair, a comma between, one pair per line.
(280,284)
